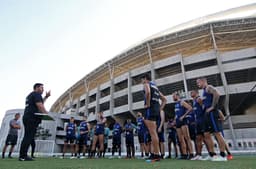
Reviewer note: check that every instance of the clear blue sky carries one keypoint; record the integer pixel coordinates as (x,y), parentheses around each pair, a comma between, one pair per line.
(57,42)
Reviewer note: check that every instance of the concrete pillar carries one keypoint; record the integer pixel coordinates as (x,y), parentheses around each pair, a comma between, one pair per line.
(111,100)
(225,85)
(86,85)
(130,101)
(152,69)
(184,76)
(70,101)
(97,109)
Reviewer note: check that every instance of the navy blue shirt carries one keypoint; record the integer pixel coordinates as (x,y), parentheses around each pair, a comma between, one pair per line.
(128,131)
(31,107)
(117,130)
(71,129)
(154,94)
(198,110)
(83,127)
(207,101)
(179,110)
(141,126)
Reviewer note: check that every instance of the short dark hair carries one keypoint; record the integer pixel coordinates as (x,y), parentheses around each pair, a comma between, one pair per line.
(202,78)
(146,76)
(176,93)
(195,90)
(37,85)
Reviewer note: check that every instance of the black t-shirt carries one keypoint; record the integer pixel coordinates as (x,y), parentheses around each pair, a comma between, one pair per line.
(31,107)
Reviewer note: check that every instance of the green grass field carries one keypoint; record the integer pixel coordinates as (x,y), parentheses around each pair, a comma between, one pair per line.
(239,162)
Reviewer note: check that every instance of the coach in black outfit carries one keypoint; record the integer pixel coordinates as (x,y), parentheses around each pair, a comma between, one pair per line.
(34,104)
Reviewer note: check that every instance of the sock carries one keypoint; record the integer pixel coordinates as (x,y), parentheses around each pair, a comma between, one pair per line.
(222,154)
(9,155)
(2,154)
(212,154)
(146,154)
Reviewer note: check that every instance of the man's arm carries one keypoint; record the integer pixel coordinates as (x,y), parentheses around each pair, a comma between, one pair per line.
(147,95)
(41,107)
(14,125)
(164,100)
(188,107)
(48,94)
(216,96)
(200,101)
(162,115)
(89,128)
(221,116)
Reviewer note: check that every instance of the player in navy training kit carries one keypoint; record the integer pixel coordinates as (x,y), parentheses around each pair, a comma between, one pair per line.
(129,139)
(221,120)
(199,113)
(106,136)
(84,129)
(99,134)
(70,137)
(116,140)
(141,129)
(160,132)
(152,112)
(182,109)
(191,123)
(172,137)
(211,125)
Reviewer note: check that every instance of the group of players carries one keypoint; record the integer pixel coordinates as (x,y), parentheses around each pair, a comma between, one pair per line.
(194,122)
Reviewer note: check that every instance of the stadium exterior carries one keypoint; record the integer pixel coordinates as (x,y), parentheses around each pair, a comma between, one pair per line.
(216,47)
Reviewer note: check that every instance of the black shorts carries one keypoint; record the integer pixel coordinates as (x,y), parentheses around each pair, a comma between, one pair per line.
(172,138)
(148,138)
(82,140)
(212,123)
(200,129)
(152,113)
(11,140)
(142,138)
(116,142)
(192,131)
(161,137)
(179,123)
(70,139)
(129,142)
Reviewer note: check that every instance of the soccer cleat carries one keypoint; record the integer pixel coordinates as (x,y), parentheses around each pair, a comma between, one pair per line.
(153,160)
(25,159)
(189,157)
(82,157)
(119,157)
(229,157)
(208,158)
(72,157)
(219,158)
(197,157)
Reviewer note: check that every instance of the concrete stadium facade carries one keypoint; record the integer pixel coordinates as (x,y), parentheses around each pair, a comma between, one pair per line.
(224,51)
(220,49)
